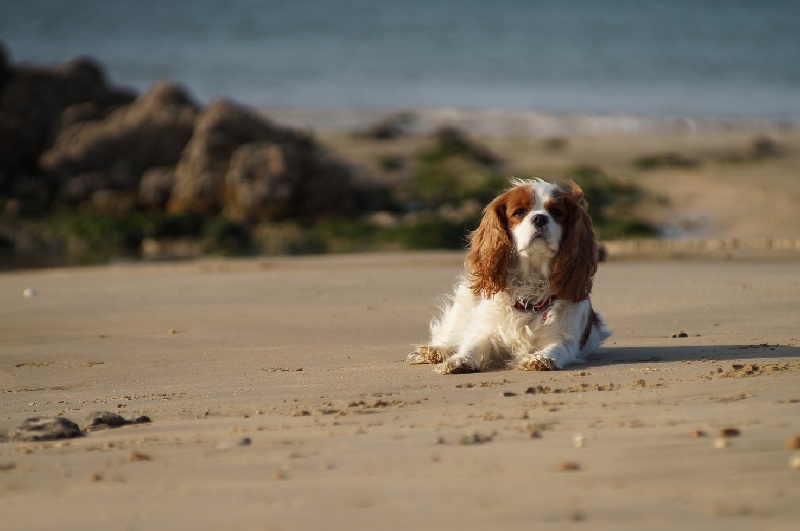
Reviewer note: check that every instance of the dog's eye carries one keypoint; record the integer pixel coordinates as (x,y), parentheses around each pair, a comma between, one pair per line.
(555,212)
(518,213)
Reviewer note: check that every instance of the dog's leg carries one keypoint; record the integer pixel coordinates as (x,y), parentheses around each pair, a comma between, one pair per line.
(429,354)
(475,355)
(571,332)
(546,359)
(448,331)
(458,364)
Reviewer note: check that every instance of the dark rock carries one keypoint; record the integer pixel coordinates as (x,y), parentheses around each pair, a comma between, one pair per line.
(100,420)
(44,429)
(395,125)
(114,203)
(764,147)
(272,182)
(69,139)
(263,181)
(453,140)
(74,114)
(602,253)
(4,69)
(32,191)
(152,131)
(235,443)
(19,141)
(555,144)
(6,245)
(33,98)
(332,188)
(80,188)
(666,160)
(155,188)
(221,129)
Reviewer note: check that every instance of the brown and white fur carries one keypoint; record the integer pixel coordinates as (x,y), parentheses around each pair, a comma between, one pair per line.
(524,299)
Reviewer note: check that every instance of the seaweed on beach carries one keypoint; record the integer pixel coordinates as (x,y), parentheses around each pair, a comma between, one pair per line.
(455,169)
(612,203)
(436,209)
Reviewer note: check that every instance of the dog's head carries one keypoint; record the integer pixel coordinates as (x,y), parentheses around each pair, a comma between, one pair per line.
(540,222)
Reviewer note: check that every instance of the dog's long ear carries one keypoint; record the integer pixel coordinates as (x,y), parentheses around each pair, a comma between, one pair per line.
(575,264)
(489,251)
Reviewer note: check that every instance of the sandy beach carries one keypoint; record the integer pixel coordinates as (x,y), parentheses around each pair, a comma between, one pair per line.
(279,398)
(342,148)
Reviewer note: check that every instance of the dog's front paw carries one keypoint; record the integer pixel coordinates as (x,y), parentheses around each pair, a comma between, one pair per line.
(426,354)
(536,362)
(415,359)
(457,365)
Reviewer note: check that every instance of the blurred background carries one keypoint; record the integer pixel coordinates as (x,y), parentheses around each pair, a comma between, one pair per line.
(407,115)
(728,57)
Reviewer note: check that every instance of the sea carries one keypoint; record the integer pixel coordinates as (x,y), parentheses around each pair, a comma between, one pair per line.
(735,59)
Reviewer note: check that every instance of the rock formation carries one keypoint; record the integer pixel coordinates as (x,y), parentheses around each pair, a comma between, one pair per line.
(70,139)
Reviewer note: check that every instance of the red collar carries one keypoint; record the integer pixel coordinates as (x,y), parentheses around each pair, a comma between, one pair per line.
(538,306)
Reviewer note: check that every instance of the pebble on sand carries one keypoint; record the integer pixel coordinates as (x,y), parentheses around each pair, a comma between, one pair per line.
(568,466)
(235,443)
(100,420)
(44,429)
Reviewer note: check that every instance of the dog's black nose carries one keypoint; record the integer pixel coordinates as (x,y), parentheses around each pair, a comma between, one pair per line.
(539,220)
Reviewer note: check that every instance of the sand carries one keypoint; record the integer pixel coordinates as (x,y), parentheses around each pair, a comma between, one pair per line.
(279,398)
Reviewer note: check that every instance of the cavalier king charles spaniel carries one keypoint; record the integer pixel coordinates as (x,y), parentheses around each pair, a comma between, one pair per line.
(524,299)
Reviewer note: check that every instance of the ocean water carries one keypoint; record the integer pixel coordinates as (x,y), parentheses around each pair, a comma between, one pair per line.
(678,57)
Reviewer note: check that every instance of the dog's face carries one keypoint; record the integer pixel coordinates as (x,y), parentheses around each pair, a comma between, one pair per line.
(536,215)
(540,222)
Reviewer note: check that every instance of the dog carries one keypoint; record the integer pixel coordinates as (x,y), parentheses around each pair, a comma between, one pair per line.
(523,300)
